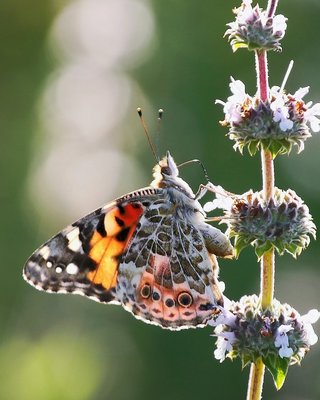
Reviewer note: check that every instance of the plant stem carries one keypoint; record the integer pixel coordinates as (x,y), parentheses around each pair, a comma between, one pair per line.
(267,269)
(256,380)
(272,5)
(267,174)
(262,74)
(267,261)
(267,279)
(267,266)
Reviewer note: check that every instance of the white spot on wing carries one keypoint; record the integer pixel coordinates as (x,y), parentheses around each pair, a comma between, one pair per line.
(73,239)
(58,270)
(72,269)
(49,264)
(45,252)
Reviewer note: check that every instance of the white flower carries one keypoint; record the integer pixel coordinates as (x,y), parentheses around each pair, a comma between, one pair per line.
(238,89)
(300,93)
(245,14)
(221,202)
(247,4)
(280,110)
(223,199)
(279,25)
(224,318)
(308,319)
(310,116)
(311,317)
(282,341)
(224,345)
(233,107)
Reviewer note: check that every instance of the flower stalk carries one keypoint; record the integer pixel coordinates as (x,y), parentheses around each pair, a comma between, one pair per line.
(256,380)
(267,263)
(271,8)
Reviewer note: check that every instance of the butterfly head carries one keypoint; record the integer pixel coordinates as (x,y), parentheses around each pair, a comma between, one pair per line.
(168,167)
(166,175)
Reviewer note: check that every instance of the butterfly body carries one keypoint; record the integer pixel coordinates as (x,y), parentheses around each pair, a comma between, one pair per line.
(150,251)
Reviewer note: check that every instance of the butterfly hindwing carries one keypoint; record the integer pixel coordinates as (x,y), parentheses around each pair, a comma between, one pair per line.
(84,257)
(167,276)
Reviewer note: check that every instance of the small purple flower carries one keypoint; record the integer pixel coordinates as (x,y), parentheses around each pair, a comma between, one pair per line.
(280,110)
(282,341)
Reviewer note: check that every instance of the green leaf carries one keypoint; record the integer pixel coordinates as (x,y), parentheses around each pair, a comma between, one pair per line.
(261,249)
(239,244)
(280,246)
(236,45)
(293,249)
(255,46)
(275,148)
(278,367)
(287,145)
(245,360)
(253,147)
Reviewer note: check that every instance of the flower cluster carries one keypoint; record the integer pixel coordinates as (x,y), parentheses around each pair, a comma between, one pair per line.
(276,125)
(283,223)
(254,29)
(279,335)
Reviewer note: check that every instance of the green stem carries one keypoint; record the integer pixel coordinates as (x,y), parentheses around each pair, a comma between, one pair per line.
(267,279)
(267,174)
(267,260)
(256,380)
(267,268)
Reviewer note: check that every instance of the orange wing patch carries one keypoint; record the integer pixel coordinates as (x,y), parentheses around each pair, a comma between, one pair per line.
(120,224)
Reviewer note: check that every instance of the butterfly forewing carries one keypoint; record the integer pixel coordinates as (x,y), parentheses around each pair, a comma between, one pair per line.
(84,257)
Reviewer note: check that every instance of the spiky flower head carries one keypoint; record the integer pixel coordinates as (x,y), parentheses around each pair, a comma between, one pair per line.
(279,335)
(278,124)
(254,29)
(282,223)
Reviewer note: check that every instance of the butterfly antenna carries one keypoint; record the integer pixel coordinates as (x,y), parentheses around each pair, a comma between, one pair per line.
(201,164)
(145,128)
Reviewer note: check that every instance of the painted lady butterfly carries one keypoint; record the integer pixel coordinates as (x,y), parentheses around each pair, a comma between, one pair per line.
(150,251)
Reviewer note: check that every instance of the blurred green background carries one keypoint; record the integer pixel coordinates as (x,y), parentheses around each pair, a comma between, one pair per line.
(71,76)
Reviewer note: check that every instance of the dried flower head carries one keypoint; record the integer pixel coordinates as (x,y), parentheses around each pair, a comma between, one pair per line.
(276,125)
(254,30)
(283,223)
(279,335)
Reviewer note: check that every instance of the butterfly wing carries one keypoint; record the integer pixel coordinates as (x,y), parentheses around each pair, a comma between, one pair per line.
(84,258)
(167,276)
(136,252)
